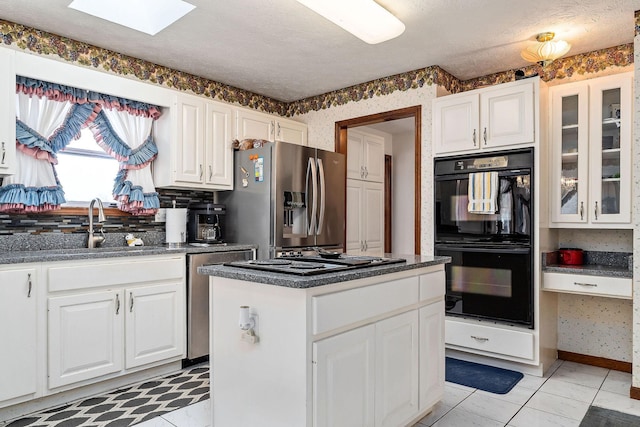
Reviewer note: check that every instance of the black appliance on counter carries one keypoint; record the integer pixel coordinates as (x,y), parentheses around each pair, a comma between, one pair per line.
(205,224)
(491,273)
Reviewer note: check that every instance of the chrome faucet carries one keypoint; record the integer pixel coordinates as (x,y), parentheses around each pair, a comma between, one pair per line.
(95,241)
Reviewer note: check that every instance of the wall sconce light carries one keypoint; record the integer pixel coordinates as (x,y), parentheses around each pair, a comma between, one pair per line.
(546,50)
(365,19)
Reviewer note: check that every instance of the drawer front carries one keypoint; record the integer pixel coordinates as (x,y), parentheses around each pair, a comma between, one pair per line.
(343,308)
(432,285)
(617,287)
(487,338)
(92,274)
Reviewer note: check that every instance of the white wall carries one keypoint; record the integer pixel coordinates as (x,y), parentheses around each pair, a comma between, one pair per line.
(321,133)
(403,184)
(635,382)
(596,326)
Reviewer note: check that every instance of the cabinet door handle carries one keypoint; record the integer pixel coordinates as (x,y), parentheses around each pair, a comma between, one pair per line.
(593,285)
(130,302)
(201,171)
(595,211)
(474,137)
(361,171)
(30,285)
(210,172)
(481,339)
(117,304)
(278,127)
(366,172)
(485,136)
(272,129)
(4,154)
(581,210)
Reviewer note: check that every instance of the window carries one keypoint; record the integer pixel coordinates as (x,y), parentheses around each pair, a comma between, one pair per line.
(85,171)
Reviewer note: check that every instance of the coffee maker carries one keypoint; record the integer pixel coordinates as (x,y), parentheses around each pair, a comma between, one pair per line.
(205,224)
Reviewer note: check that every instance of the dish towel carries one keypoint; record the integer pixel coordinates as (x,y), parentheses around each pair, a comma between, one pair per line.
(483,192)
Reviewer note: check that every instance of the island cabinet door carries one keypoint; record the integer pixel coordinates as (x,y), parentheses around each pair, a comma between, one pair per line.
(344,379)
(432,368)
(396,399)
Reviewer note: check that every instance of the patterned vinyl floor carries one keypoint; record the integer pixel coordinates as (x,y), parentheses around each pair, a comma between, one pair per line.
(126,406)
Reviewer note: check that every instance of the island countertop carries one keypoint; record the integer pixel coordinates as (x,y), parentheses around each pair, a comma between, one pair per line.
(302,282)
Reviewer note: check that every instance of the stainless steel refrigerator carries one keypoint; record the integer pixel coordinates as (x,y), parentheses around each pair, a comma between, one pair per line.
(286,197)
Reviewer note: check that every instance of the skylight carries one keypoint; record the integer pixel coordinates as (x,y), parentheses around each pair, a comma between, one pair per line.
(147,16)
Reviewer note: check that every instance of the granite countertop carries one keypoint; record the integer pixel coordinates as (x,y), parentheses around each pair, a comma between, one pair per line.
(606,264)
(301,282)
(18,257)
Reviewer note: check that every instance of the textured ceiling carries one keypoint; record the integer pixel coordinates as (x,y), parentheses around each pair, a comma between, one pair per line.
(283,50)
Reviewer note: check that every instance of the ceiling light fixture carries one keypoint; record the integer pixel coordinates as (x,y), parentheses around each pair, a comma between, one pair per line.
(546,50)
(147,16)
(365,19)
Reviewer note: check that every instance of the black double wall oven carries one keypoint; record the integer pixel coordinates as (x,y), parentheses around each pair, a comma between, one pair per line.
(491,273)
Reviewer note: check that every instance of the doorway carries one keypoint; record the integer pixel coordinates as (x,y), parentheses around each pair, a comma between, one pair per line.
(414,113)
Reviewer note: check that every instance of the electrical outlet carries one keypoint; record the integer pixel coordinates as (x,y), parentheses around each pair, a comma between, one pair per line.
(161,215)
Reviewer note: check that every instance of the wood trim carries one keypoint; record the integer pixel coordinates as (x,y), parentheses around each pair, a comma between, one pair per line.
(601,362)
(634,393)
(418,179)
(414,112)
(388,207)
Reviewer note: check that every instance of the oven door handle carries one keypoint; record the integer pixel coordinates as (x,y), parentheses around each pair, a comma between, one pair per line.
(485,249)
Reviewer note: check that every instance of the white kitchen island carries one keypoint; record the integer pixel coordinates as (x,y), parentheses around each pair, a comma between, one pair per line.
(362,347)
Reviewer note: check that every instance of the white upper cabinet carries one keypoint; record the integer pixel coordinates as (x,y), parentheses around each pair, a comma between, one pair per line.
(8,112)
(218,151)
(487,118)
(255,125)
(194,145)
(591,153)
(365,156)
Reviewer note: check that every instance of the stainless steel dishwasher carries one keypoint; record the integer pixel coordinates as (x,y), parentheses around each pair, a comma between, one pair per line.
(198,300)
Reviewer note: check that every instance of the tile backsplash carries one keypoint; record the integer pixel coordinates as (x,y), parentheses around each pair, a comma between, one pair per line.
(41,224)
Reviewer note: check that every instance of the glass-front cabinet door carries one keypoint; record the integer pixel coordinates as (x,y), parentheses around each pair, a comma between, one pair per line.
(610,149)
(591,153)
(570,142)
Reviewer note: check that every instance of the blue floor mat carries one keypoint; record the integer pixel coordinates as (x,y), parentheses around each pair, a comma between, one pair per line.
(483,377)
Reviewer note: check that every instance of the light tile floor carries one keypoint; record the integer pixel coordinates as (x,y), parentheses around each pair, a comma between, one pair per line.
(561,398)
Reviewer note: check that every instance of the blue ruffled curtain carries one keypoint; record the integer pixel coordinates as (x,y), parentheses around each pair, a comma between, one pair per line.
(49,116)
(127,138)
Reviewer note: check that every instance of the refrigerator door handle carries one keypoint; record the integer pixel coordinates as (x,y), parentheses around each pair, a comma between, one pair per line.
(311,170)
(323,192)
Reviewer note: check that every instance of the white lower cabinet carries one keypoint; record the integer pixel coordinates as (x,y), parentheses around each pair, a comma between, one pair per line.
(432,357)
(344,378)
(154,324)
(365,218)
(18,334)
(382,374)
(114,317)
(85,336)
(397,376)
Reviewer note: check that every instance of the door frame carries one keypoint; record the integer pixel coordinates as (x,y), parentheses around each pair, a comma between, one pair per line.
(414,112)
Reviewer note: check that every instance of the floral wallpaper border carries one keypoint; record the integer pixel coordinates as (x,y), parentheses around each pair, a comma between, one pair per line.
(44,43)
